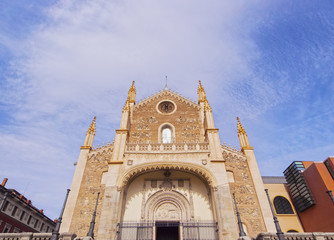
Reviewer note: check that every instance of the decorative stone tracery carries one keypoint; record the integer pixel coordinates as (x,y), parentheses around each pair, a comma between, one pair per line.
(186,167)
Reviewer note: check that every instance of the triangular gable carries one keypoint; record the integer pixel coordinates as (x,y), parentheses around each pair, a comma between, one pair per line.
(166,92)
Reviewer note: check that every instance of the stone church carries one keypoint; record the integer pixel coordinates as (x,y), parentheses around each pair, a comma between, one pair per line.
(167,176)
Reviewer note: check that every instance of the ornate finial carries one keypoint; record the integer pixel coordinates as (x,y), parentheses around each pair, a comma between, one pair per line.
(243,138)
(132,93)
(88,143)
(91,128)
(240,127)
(201,92)
(93,123)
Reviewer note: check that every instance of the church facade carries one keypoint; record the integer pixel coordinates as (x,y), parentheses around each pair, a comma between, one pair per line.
(167,173)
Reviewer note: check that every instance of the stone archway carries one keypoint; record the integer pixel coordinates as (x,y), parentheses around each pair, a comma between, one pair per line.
(167,200)
(196,169)
(167,206)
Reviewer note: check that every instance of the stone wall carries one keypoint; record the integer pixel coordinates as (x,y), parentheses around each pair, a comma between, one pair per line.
(146,120)
(97,163)
(245,194)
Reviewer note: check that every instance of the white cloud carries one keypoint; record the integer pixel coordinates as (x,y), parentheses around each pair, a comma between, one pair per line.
(82,60)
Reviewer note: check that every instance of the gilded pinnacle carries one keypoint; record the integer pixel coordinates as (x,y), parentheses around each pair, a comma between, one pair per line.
(201,92)
(132,93)
(92,126)
(132,88)
(240,127)
(200,87)
(88,143)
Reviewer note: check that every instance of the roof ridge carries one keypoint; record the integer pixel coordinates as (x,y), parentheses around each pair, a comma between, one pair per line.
(166,92)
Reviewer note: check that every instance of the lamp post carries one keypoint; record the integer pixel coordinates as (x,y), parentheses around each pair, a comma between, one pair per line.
(92,223)
(55,232)
(241,228)
(279,233)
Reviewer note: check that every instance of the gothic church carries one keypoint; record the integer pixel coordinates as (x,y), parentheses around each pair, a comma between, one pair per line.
(167,173)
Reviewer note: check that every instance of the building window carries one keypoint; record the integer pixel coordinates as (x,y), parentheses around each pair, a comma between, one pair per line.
(180,183)
(5,206)
(230,176)
(7,228)
(292,230)
(300,192)
(245,228)
(329,168)
(16,230)
(282,205)
(14,211)
(22,215)
(166,135)
(29,220)
(35,226)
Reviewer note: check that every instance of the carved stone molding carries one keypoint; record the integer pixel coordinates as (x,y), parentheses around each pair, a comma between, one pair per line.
(169,205)
(186,167)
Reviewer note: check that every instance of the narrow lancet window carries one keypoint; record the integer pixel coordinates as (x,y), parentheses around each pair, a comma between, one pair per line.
(166,135)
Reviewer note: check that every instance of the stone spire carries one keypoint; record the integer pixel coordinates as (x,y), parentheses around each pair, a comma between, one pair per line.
(201,93)
(126,107)
(132,93)
(90,135)
(243,138)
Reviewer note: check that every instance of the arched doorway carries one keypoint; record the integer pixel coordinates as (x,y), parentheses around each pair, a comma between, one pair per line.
(167,204)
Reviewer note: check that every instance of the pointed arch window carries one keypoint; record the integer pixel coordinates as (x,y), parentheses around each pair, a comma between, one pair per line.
(166,135)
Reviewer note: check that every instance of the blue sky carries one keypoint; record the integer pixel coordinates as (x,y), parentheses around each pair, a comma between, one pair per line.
(64,62)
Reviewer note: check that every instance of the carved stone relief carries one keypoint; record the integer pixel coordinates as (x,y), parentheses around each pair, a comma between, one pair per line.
(167,211)
(167,199)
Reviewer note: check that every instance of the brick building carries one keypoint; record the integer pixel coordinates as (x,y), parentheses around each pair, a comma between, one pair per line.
(167,171)
(17,214)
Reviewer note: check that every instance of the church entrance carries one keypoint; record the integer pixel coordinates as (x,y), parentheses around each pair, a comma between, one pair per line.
(167,205)
(167,230)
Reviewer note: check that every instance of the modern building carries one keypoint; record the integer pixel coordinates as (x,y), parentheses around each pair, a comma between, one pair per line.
(17,214)
(310,185)
(167,171)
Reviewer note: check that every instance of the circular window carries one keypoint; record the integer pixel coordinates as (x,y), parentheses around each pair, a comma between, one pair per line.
(166,107)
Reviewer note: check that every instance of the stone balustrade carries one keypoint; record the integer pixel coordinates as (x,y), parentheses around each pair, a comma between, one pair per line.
(298,236)
(167,147)
(261,236)
(35,236)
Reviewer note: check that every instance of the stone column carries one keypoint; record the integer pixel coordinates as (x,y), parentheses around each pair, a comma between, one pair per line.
(75,187)
(110,207)
(259,188)
(225,213)
(108,220)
